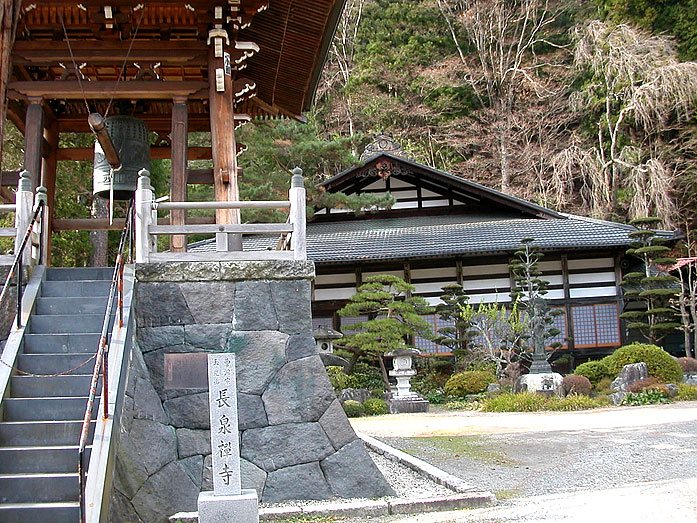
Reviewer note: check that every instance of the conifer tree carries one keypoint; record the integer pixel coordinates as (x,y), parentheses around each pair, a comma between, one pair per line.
(455,335)
(651,286)
(395,316)
(529,290)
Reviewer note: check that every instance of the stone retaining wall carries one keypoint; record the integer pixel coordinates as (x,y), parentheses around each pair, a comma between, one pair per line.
(296,442)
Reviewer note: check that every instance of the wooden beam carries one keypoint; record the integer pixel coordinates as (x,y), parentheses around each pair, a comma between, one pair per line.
(9,15)
(109,52)
(102,224)
(223,144)
(48,180)
(103,90)
(177,191)
(156,153)
(33,141)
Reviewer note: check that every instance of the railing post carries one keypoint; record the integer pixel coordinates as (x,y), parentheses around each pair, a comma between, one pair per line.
(143,204)
(23,215)
(42,198)
(297,198)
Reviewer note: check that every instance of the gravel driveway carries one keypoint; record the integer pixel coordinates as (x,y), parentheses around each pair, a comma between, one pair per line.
(635,450)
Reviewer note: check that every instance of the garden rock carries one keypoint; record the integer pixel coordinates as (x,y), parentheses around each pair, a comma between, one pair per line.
(617,397)
(672,390)
(493,388)
(628,375)
(359,395)
(690,379)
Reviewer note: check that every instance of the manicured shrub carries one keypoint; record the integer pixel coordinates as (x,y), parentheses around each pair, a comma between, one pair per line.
(353,409)
(364,376)
(524,402)
(576,384)
(576,402)
(337,377)
(604,386)
(689,365)
(468,382)
(593,370)
(640,385)
(435,397)
(661,365)
(686,392)
(375,407)
(531,402)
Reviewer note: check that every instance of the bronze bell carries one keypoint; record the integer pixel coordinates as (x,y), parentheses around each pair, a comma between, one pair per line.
(130,138)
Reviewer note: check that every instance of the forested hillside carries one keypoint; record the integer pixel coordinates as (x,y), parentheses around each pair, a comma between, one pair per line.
(587,107)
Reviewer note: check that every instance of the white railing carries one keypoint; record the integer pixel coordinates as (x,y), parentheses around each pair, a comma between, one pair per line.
(291,244)
(24,205)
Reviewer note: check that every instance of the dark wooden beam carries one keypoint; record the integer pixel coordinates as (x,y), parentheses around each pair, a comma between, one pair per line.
(48,180)
(177,191)
(33,141)
(109,52)
(10,178)
(103,90)
(158,123)
(156,153)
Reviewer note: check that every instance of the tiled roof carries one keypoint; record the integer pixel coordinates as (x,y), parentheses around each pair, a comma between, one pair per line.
(450,235)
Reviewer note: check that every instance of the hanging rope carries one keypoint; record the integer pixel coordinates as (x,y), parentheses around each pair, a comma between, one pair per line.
(125,60)
(78,73)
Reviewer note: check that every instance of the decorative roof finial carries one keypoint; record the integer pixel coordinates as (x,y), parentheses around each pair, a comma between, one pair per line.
(383,143)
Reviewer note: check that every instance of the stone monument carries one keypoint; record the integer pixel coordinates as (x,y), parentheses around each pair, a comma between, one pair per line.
(228,501)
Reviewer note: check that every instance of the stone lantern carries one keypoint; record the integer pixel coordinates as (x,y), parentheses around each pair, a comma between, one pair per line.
(324,336)
(403,399)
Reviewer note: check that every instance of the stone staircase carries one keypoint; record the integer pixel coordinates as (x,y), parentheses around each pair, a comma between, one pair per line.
(42,416)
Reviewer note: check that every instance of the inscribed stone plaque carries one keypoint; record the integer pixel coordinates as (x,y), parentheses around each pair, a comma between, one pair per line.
(188,370)
(225,447)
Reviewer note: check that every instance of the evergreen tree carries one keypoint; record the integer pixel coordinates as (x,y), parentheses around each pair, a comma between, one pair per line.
(651,286)
(395,317)
(455,335)
(529,290)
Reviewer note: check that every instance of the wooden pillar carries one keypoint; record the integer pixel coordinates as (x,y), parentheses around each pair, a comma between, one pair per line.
(9,15)
(223,144)
(48,180)
(33,140)
(177,190)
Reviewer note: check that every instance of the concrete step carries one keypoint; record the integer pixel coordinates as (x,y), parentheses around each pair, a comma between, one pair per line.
(41,433)
(39,488)
(46,409)
(65,323)
(81,305)
(55,343)
(28,460)
(75,288)
(73,363)
(65,512)
(79,273)
(54,386)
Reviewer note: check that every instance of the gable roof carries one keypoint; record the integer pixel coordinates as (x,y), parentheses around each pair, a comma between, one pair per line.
(351,180)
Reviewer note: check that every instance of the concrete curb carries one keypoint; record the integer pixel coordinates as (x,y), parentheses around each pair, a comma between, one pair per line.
(365,509)
(467,497)
(417,465)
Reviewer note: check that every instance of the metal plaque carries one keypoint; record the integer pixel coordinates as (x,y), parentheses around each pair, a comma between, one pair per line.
(186,370)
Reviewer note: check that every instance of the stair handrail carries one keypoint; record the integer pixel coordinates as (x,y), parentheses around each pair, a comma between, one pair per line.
(101,358)
(16,267)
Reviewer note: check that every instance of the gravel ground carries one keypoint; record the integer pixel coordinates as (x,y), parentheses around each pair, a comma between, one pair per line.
(629,464)
(535,463)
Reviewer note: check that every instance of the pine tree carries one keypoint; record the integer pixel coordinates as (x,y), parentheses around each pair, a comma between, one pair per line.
(651,286)
(395,316)
(529,290)
(455,335)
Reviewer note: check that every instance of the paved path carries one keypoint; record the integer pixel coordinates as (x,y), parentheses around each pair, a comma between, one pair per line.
(627,464)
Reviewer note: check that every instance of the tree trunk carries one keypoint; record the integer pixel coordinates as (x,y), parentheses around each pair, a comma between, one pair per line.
(383,371)
(504,136)
(9,14)
(99,239)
